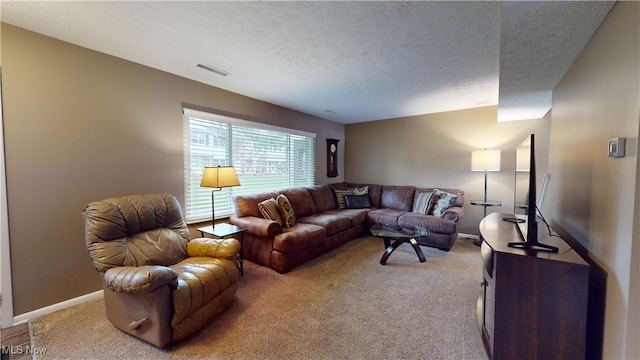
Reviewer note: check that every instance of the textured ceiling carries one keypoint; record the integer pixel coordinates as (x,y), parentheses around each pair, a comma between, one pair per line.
(343,61)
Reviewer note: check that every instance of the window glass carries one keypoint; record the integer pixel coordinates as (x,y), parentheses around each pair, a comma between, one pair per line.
(265,158)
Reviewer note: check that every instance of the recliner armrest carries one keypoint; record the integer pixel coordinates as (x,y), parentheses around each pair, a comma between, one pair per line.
(215,248)
(140,279)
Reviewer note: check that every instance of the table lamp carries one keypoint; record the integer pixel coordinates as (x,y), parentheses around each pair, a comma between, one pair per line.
(218,177)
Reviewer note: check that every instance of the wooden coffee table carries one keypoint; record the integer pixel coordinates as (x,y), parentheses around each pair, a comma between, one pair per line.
(401,235)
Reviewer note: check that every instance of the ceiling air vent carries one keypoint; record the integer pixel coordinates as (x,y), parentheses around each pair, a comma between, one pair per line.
(213,70)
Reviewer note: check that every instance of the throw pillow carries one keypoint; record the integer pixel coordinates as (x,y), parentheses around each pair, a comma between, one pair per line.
(360,190)
(269,210)
(444,200)
(340,198)
(424,202)
(286,211)
(357,201)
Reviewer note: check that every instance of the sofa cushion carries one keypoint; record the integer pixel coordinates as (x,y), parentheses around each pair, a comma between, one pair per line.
(432,223)
(385,216)
(286,211)
(444,200)
(333,223)
(298,237)
(323,197)
(354,201)
(357,216)
(397,197)
(423,202)
(301,201)
(270,210)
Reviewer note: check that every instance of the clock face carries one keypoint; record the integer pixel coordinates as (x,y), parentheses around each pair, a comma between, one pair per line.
(333,148)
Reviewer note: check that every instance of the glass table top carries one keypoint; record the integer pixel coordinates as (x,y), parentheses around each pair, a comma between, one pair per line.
(392,231)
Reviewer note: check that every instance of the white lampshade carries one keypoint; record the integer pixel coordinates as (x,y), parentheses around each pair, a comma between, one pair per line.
(485,160)
(523,159)
(219,177)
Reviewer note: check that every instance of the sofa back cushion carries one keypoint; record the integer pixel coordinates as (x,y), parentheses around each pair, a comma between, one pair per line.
(301,201)
(135,230)
(247,205)
(397,197)
(323,197)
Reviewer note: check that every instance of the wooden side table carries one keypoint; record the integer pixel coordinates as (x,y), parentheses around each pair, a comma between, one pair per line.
(485,204)
(223,231)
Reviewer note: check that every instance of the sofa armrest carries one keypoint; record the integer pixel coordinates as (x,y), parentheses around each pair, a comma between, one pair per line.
(453,213)
(215,248)
(258,226)
(140,279)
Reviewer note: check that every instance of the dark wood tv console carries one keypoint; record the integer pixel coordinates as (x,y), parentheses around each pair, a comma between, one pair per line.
(533,304)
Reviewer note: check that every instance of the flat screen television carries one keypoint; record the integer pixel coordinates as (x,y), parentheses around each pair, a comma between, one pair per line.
(526,160)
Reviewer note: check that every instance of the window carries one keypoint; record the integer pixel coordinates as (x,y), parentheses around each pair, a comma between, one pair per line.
(266,158)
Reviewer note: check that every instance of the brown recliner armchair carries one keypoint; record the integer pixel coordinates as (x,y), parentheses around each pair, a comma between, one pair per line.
(159,285)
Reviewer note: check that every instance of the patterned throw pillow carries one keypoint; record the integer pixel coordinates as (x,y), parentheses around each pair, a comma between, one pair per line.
(360,190)
(269,210)
(424,202)
(444,200)
(340,197)
(364,190)
(286,211)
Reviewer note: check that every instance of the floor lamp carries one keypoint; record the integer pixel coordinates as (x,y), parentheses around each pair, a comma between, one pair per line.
(218,177)
(485,160)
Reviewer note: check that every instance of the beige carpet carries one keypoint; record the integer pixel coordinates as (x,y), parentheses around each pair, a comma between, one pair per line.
(342,305)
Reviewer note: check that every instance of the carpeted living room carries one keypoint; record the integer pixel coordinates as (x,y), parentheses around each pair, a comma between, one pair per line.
(338,306)
(369,95)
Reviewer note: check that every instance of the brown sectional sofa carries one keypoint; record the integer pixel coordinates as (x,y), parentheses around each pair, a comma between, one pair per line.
(321,226)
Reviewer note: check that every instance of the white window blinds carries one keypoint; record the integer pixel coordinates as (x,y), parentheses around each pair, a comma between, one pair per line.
(265,158)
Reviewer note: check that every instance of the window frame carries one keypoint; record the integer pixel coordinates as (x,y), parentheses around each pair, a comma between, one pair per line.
(198,200)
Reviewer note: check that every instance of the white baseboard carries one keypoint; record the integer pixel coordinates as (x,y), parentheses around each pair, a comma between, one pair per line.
(23,318)
(468,236)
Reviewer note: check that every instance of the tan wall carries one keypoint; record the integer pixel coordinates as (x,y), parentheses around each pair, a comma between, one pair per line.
(435,150)
(597,100)
(82,126)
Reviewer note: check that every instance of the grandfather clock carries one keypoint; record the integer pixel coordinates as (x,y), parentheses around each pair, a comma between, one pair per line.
(332,157)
